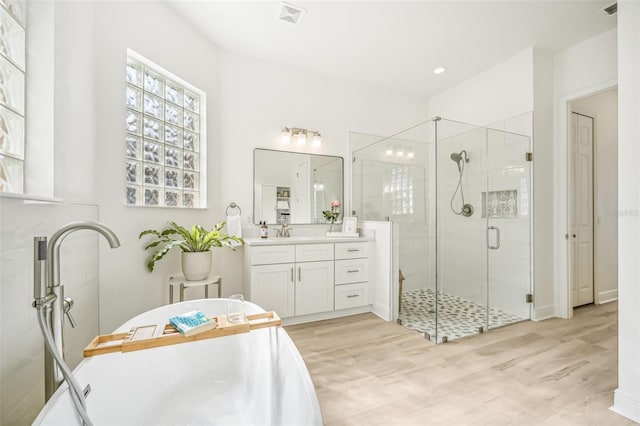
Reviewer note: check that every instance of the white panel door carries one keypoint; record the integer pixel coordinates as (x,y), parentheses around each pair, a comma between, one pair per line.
(582,209)
(314,287)
(273,288)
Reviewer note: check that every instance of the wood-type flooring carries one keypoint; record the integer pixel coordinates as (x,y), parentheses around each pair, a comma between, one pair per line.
(555,372)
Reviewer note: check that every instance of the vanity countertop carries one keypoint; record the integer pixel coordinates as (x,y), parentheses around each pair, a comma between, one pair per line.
(303,240)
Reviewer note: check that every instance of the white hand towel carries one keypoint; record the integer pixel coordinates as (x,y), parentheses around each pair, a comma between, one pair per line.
(234,227)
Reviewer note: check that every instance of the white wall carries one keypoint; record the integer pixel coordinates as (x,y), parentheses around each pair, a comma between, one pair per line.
(500,92)
(258,99)
(75,119)
(543,160)
(627,396)
(126,287)
(248,102)
(603,107)
(592,60)
(581,70)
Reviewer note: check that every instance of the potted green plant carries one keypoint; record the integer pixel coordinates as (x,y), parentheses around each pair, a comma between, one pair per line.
(196,245)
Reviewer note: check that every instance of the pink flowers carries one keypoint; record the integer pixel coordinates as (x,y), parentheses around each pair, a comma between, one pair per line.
(332,215)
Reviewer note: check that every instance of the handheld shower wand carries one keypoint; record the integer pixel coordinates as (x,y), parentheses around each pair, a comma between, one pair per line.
(460,158)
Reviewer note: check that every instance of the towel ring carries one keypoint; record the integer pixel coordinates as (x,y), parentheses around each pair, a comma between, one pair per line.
(233,206)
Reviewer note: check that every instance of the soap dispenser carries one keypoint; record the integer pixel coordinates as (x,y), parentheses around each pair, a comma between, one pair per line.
(264,230)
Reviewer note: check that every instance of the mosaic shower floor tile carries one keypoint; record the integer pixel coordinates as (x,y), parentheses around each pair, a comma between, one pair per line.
(457,317)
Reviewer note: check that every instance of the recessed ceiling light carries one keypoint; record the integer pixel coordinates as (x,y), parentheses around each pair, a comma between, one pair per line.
(439,70)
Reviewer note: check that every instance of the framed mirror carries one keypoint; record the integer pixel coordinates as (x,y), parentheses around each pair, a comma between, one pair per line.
(295,187)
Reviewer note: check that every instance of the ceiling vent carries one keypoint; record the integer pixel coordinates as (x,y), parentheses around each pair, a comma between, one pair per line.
(611,9)
(291,14)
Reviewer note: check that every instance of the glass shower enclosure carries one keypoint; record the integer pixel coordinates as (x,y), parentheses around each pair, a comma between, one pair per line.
(460,200)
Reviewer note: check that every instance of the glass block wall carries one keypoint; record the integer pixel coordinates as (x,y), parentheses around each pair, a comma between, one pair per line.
(163,143)
(12,95)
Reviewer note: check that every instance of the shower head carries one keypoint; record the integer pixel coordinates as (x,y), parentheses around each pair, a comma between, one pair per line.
(458,156)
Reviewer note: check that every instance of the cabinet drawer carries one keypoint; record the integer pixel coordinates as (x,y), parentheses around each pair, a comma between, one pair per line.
(314,252)
(351,271)
(351,250)
(351,295)
(262,255)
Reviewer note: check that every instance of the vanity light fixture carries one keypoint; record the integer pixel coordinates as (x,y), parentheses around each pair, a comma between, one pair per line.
(439,70)
(286,136)
(410,154)
(389,151)
(301,136)
(400,153)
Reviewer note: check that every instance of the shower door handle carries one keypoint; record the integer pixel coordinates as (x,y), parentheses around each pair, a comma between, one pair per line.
(497,246)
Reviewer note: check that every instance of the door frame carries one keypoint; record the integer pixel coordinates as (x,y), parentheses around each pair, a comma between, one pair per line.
(562,220)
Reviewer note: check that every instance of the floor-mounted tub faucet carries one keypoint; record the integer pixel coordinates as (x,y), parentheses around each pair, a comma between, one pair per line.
(51,304)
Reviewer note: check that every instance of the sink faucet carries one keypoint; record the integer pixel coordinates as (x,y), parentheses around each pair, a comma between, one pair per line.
(55,291)
(283,232)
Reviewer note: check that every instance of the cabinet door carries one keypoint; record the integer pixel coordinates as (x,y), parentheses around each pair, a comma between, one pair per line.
(314,287)
(273,288)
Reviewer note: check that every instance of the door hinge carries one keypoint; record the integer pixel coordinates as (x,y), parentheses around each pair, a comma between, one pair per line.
(529,298)
(529,156)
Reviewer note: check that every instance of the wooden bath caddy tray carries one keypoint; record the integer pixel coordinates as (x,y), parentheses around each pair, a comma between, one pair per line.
(141,337)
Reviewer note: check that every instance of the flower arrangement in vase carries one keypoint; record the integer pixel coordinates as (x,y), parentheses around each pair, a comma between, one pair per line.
(332,215)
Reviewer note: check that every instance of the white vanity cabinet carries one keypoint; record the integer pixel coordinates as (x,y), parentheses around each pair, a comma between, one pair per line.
(309,280)
(292,279)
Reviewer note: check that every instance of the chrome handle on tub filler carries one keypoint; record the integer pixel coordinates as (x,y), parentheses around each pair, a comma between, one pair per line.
(67,305)
(497,246)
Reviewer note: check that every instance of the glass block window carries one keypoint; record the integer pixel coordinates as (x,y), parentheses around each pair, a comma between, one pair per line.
(398,191)
(164,144)
(12,95)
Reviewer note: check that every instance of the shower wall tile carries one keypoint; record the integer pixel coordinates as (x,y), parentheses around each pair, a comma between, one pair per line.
(21,344)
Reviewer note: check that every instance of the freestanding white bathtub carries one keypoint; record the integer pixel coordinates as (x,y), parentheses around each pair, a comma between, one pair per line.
(255,378)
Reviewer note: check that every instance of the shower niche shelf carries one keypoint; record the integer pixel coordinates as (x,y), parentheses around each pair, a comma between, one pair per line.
(500,204)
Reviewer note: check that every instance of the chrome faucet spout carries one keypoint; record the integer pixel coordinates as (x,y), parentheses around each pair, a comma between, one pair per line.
(53,249)
(283,232)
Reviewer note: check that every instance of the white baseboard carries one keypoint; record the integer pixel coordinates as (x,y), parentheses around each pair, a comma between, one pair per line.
(544,312)
(326,315)
(626,406)
(607,296)
(382,311)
